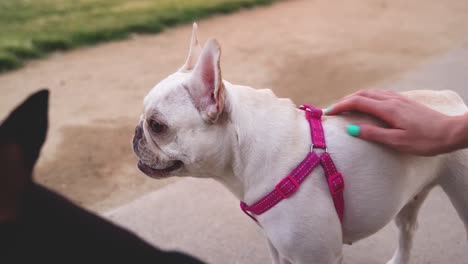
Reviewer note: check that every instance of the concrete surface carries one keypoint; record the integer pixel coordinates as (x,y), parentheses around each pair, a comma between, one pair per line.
(202,218)
(449,71)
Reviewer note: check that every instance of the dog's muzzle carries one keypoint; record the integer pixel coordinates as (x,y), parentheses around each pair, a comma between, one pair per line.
(138,136)
(153,171)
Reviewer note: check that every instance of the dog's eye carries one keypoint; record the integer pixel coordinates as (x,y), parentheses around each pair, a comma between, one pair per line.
(157,127)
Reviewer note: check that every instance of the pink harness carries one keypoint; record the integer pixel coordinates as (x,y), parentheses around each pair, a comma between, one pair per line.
(290,184)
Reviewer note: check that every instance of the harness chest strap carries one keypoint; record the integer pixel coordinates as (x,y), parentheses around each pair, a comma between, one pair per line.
(291,183)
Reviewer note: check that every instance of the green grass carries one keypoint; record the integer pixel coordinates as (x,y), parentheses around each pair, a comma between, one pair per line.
(33,28)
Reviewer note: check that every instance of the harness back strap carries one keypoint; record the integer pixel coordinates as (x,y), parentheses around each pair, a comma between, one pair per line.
(291,183)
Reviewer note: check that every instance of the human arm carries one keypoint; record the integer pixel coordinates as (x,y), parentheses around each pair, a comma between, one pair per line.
(412,127)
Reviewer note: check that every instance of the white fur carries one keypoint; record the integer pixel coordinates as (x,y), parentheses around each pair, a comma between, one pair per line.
(258,139)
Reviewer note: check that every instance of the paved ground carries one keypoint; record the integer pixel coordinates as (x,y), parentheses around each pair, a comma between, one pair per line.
(202,218)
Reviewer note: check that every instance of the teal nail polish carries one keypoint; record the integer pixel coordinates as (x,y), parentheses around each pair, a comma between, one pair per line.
(326,111)
(353,130)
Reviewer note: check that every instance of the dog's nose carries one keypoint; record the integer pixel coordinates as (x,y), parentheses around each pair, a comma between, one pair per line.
(138,131)
(138,135)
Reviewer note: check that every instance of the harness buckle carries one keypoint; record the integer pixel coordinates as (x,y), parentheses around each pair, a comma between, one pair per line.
(244,208)
(336,183)
(287,193)
(312,147)
(312,111)
(304,107)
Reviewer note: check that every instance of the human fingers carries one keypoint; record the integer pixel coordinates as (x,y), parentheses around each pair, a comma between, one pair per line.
(362,104)
(387,136)
(380,95)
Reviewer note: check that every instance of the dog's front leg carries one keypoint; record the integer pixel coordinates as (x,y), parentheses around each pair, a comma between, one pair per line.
(275,256)
(301,246)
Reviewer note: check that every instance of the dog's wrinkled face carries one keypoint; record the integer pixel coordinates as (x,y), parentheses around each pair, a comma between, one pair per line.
(181,119)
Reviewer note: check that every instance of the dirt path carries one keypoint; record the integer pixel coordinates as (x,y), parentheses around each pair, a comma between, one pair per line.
(312,51)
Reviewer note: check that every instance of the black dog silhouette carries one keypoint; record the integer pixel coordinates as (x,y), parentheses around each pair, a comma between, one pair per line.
(40,226)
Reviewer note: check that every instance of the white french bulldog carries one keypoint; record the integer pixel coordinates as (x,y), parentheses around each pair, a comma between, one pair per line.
(195,123)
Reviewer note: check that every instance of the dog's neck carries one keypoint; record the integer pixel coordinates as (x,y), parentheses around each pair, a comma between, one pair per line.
(271,138)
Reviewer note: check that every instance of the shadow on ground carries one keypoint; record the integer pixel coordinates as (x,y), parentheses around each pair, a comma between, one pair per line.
(94,162)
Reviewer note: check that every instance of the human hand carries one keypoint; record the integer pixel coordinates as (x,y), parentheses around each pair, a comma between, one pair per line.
(413,127)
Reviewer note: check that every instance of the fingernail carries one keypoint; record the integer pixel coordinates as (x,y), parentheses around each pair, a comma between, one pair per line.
(328,110)
(353,130)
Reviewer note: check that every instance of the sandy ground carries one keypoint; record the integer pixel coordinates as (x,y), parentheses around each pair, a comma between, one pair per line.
(311,51)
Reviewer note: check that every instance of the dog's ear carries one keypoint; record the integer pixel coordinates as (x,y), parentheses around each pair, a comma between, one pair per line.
(22,135)
(26,127)
(194,51)
(206,84)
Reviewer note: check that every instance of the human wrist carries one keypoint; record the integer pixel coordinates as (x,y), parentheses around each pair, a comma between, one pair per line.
(457,138)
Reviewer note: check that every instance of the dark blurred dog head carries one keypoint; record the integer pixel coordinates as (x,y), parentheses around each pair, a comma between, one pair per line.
(37,225)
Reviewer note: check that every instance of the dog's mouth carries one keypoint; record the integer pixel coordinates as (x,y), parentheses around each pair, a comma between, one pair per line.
(159,172)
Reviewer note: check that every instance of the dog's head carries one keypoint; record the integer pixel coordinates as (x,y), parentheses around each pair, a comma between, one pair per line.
(182,129)
(22,135)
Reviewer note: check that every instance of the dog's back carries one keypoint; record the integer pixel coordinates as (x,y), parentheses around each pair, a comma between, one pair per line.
(447,102)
